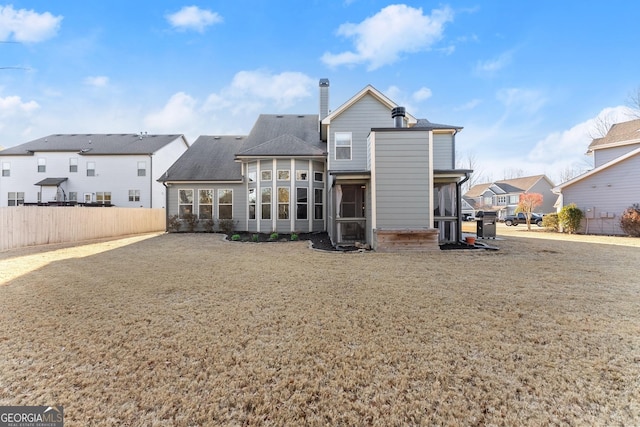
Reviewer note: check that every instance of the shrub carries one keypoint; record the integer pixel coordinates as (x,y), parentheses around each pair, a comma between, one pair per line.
(191,220)
(273,236)
(570,218)
(173,223)
(294,236)
(550,222)
(630,220)
(208,225)
(226,226)
(235,237)
(255,238)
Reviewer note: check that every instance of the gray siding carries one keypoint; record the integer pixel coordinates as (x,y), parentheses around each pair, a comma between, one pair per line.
(607,194)
(548,197)
(359,119)
(402,186)
(443,151)
(605,155)
(239,200)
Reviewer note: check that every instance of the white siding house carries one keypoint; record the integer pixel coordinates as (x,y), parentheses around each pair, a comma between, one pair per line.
(108,169)
(606,191)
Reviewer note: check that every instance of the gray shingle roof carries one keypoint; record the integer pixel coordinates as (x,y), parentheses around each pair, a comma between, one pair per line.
(284,145)
(93,144)
(618,134)
(210,158)
(272,127)
(424,123)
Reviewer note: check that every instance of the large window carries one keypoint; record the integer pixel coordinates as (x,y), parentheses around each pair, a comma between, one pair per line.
(15,198)
(142,168)
(266,175)
(91,168)
(302,175)
(225,204)
(514,199)
(185,203)
(502,200)
(73,164)
(103,197)
(252,203)
(6,169)
(134,195)
(343,145)
(318,204)
(318,177)
(266,203)
(205,204)
(283,202)
(301,203)
(42,165)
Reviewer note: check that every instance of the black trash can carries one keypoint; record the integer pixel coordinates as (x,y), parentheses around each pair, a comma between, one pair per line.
(486,226)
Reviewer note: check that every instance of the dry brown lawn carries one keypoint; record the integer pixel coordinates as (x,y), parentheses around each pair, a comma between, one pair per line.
(190,330)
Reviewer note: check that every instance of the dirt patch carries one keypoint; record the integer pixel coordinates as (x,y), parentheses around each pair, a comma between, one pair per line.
(190,329)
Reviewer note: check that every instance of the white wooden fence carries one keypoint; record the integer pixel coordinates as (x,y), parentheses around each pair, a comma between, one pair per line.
(37,225)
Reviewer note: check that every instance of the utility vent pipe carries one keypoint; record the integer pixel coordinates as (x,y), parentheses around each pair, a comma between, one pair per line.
(398,114)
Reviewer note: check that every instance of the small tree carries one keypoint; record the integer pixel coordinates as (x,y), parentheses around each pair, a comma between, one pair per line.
(570,218)
(173,223)
(630,220)
(550,222)
(527,203)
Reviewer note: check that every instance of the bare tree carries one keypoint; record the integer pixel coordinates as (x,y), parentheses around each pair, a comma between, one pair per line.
(633,102)
(512,173)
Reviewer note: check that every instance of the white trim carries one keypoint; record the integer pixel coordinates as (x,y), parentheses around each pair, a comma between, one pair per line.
(372,183)
(292,191)
(311,209)
(430,183)
(258,197)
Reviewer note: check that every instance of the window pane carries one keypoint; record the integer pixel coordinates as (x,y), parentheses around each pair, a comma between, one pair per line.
(302,175)
(318,177)
(283,195)
(252,211)
(206,212)
(225,196)
(283,211)
(343,153)
(283,175)
(225,212)
(252,195)
(186,196)
(266,211)
(318,212)
(206,197)
(252,176)
(266,195)
(266,175)
(318,195)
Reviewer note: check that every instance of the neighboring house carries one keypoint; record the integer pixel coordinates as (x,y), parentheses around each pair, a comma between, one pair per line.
(363,169)
(106,169)
(503,196)
(606,191)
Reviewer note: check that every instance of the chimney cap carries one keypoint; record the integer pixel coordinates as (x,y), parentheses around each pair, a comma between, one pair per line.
(398,112)
(324,82)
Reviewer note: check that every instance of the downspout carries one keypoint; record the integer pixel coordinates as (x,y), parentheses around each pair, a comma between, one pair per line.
(150,181)
(459,204)
(166,206)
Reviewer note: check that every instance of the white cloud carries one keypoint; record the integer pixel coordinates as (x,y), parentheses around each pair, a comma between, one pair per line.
(422,94)
(193,18)
(178,113)
(13,105)
(523,100)
(381,39)
(469,105)
(97,81)
(255,89)
(27,26)
(493,65)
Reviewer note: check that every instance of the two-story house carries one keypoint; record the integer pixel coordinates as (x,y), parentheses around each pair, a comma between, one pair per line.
(612,186)
(107,169)
(503,196)
(365,169)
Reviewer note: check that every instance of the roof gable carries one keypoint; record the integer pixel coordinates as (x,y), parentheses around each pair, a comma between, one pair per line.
(619,134)
(210,158)
(558,189)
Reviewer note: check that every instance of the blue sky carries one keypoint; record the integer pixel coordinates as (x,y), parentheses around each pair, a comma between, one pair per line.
(525,79)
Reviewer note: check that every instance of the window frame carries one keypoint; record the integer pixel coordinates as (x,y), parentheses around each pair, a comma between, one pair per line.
(142,171)
(285,213)
(315,176)
(73,164)
(343,146)
(103,197)
(6,169)
(302,207)
(134,195)
(318,204)
(302,175)
(252,203)
(42,165)
(91,168)
(221,192)
(266,191)
(283,175)
(16,200)
(182,212)
(269,173)
(203,202)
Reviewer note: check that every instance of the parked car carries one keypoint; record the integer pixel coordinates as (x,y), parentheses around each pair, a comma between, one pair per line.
(521,218)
